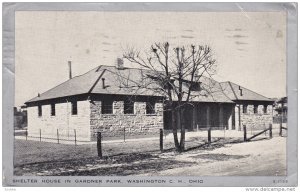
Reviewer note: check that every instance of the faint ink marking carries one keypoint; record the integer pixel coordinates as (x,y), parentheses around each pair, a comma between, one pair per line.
(188,37)
(240,43)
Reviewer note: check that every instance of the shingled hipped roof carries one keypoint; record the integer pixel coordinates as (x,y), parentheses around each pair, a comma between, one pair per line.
(124,82)
(236,92)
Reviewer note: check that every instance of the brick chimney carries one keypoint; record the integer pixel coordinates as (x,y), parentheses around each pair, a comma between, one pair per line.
(70,69)
(120,63)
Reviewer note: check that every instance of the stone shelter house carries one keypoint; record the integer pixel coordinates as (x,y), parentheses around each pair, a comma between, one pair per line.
(98,101)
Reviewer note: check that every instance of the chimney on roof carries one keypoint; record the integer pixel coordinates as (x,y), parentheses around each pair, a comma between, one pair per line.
(103,83)
(39,94)
(120,63)
(70,69)
(241,91)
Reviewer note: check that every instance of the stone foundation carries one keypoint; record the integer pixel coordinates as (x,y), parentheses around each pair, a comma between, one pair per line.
(114,124)
(257,120)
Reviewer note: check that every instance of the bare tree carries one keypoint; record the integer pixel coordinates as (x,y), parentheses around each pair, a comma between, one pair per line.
(174,73)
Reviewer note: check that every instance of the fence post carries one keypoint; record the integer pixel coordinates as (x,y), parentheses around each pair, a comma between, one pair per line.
(75,136)
(280,129)
(209,135)
(40,135)
(57,136)
(99,147)
(161,136)
(245,133)
(124,133)
(26,134)
(270,131)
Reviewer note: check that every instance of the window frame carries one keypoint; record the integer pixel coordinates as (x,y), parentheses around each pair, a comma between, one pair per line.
(40,111)
(128,107)
(104,108)
(255,109)
(265,109)
(153,108)
(74,108)
(52,109)
(245,109)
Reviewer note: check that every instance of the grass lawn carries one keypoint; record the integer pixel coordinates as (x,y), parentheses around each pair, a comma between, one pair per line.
(144,158)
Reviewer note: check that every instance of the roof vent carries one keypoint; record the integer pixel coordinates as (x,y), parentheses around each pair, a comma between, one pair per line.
(39,94)
(120,63)
(241,91)
(103,83)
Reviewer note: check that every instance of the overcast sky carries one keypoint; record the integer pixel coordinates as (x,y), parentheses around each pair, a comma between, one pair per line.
(250,47)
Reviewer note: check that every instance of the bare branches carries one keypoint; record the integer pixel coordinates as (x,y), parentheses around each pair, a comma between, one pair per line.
(172,72)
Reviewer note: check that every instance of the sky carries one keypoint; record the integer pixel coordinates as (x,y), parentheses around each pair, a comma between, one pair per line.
(250,47)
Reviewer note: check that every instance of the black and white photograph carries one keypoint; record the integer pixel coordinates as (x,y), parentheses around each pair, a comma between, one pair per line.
(149,94)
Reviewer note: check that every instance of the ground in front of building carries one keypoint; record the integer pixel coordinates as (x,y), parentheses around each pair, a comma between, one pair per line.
(225,156)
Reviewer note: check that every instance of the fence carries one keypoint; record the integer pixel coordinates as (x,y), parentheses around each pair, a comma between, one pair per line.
(257,130)
(281,128)
(23,134)
(121,135)
(161,141)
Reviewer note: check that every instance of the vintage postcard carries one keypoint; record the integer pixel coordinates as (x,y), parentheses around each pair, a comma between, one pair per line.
(150,94)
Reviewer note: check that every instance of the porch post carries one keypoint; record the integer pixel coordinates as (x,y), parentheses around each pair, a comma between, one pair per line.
(207,116)
(230,121)
(194,116)
(221,117)
(237,117)
(208,124)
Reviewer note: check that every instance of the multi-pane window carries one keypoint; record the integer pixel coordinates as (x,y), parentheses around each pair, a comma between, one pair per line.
(245,108)
(40,110)
(128,106)
(150,107)
(107,107)
(52,109)
(255,108)
(74,107)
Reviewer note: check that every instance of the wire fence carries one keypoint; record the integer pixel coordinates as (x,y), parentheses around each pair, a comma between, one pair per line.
(35,149)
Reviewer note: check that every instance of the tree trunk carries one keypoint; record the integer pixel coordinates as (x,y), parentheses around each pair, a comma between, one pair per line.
(174,128)
(182,130)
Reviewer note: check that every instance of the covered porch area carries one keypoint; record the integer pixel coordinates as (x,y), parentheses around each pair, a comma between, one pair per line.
(203,115)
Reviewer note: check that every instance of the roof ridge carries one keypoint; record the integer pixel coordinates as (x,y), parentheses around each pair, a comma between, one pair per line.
(96,82)
(234,93)
(222,90)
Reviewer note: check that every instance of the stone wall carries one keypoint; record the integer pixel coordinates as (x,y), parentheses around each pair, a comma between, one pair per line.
(257,120)
(63,121)
(115,123)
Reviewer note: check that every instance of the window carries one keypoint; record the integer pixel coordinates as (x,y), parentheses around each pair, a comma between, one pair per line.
(245,108)
(255,109)
(40,110)
(265,109)
(150,107)
(52,109)
(74,107)
(107,107)
(128,107)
